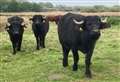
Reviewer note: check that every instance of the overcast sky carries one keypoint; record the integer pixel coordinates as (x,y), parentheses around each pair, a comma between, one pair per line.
(81,2)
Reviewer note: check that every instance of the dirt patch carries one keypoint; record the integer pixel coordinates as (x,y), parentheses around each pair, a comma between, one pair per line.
(56,77)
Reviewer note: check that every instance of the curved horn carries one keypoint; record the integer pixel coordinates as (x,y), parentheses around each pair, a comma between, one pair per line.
(44,17)
(104,20)
(78,22)
(23,23)
(8,24)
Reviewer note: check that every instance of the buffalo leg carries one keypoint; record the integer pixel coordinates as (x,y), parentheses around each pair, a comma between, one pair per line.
(14,47)
(88,63)
(76,59)
(37,41)
(19,43)
(42,41)
(65,55)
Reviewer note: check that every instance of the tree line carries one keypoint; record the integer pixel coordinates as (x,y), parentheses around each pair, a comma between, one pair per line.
(25,6)
(22,6)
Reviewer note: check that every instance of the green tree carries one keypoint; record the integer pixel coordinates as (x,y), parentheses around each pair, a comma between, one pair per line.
(13,6)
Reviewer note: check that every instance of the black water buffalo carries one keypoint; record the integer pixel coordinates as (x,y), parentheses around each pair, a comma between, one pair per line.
(77,32)
(40,27)
(15,29)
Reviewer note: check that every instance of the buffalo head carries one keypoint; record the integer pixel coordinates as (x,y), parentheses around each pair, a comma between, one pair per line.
(38,19)
(15,24)
(93,24)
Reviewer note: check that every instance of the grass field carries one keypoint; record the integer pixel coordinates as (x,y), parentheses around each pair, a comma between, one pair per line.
(45,65)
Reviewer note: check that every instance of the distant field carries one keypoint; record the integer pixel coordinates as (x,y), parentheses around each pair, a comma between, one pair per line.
(45,65)
(60,13)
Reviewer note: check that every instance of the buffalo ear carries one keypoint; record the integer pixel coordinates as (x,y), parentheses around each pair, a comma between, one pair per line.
(7,27)
(31,19)
(105,25)
(24,26)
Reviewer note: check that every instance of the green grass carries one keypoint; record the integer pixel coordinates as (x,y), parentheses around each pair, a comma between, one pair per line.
(45,65)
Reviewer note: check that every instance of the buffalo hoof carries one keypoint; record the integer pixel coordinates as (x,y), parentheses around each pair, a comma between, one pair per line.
(65,64)
(88,75)
(37,48)
(75,67)
(18,49)
(14,53)
(42,46)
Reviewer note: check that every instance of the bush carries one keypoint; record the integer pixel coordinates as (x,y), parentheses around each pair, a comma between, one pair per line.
(114,20)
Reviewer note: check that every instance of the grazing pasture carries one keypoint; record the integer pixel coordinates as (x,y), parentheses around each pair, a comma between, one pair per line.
(45,65)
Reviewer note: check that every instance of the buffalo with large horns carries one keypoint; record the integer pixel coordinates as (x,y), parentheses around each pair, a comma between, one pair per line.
(78,32)
(15,29)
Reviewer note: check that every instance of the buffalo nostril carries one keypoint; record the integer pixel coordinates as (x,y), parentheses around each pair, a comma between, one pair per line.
(16,33)
(37,22)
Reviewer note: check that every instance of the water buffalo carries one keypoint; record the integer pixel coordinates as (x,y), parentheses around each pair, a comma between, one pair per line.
(40,27)
(15,29)
(54,18)
(77,32)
